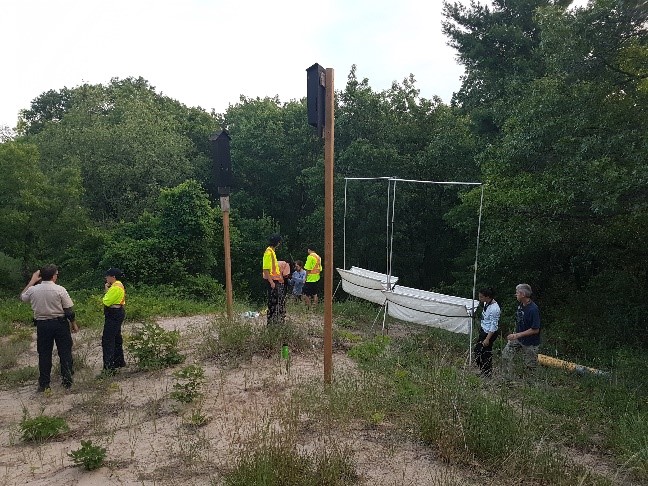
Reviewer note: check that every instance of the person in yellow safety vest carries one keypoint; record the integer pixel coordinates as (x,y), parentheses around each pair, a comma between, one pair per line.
(274,279)
(114,314)
(284,269)
(313,267)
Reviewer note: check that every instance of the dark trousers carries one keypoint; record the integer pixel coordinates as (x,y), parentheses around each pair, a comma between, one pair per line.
(49,332)
(484,354)
(111,339)
(276,301)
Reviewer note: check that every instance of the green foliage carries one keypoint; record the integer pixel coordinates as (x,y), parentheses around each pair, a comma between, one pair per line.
(196,418)
(202,288)
(369,351)
(17,344)
(630,440)
(273,459)
(181,232)
(89,455)
(238,341)
(10,269)
(189,381)
(129,142)
(152,347)
(146,302)
(41,427)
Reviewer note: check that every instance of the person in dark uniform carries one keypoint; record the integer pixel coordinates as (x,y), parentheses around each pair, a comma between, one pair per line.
(272,275)
(114,315)
(55,322)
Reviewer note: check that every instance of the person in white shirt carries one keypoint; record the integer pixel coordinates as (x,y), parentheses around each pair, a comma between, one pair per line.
(488,332)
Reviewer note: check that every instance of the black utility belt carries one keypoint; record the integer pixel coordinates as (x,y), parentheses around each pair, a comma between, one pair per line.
(54,319)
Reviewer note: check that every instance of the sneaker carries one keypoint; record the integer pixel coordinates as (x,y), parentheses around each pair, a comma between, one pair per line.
(43,389)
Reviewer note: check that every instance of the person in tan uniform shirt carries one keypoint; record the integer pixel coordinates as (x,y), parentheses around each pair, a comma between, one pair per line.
(55,321)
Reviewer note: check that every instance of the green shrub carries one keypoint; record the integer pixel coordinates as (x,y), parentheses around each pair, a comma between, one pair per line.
(41,427)
(367,352)
(153,347)
(89,456)
(202,288)
(11,273)
(190,380)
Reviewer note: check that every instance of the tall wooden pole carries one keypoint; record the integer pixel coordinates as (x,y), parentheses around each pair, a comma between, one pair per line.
(328,226)
(225,207)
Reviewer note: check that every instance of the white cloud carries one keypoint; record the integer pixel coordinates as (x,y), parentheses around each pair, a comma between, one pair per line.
(208,53)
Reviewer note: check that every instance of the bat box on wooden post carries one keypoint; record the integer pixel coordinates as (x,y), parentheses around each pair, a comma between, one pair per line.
(315,96)
(220,143)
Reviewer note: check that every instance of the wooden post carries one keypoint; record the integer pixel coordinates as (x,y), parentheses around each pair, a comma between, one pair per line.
(328,226)
(225,208)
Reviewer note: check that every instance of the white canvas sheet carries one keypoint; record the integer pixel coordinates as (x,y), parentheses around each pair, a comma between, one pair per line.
(430,309)
(366,284)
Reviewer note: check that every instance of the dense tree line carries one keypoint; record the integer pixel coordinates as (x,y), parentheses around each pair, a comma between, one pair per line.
(551,117)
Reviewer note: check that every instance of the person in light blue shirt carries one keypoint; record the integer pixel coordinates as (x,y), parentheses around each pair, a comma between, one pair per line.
(298,279)
(488,332)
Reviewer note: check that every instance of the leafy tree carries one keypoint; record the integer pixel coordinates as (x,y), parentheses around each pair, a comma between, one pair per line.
(565,200)
(126,141)
(172,244)
(41,215)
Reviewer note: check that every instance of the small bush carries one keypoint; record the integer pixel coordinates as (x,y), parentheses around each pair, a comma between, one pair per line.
(42,427)
(89,456)
(367,352)
(153,347)
(190,380)
(196,419)
(202,288)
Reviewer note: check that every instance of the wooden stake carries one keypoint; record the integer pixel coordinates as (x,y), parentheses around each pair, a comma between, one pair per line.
(328,226)
(225,207)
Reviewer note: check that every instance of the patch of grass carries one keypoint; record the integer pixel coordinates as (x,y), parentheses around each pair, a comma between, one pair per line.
(629,439)
(273,459)
(14,315)
(367,352)
(239,340)
(18,376)
(145,303)
(41,427)
(13,348)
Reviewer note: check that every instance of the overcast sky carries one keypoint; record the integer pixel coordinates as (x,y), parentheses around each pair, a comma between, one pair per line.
(209,52)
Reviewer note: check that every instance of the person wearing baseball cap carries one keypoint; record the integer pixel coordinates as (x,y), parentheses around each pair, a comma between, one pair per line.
(114,301)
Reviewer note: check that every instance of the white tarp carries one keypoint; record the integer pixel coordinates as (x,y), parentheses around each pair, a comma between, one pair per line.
(366,284)
(430,309)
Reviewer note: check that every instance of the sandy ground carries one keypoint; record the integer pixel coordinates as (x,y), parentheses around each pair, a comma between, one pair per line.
(149,441)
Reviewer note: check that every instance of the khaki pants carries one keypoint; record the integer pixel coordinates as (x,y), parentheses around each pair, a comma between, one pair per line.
(529,354)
